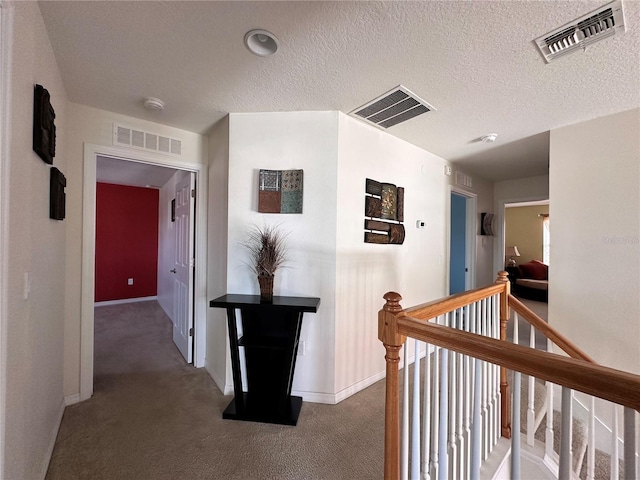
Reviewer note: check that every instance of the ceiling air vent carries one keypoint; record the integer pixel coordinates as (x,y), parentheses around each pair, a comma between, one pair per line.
(605,22)
(392,108)
(130,137)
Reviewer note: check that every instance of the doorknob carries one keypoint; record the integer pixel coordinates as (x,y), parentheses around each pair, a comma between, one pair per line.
(173,270)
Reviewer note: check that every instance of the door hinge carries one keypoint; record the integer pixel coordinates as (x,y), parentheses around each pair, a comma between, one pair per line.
(191,332)
(192,262)
(193,193)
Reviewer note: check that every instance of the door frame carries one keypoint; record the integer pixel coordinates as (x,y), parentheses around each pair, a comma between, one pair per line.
(470,236)
(6,38)
(91,153)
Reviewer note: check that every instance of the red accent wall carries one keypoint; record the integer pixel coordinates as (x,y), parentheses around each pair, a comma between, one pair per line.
(126,242)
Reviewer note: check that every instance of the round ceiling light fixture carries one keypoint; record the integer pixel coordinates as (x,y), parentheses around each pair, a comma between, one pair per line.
(261,43)
(152,103)
(490,138)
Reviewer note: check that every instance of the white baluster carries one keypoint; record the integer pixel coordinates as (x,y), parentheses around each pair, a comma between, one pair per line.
(460,404)
(476,426)
(566,434)
(496,375)
(415,418)
(404,446)
(453,398)
(468,382)
(549,433)
(444,415)
(435,412)
(485,385)
(515,427)
(615,449)
(531,411)
(591,441)
(426,414)
(629,444)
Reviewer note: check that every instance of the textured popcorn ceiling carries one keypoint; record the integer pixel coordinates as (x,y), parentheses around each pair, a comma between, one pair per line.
(474,61)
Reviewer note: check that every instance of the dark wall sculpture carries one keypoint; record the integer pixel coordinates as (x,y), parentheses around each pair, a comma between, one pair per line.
(44,130)
(57,195)
(383,201)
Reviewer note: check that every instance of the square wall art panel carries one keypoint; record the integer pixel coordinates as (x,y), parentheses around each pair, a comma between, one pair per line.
(280,191)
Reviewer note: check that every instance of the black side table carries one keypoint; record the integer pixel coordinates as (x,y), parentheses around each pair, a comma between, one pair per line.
(270,335)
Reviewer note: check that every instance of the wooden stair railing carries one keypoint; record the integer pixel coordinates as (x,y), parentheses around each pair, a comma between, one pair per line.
(395,324)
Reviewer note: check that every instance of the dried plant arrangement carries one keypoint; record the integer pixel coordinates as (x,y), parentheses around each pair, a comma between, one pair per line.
(267,252)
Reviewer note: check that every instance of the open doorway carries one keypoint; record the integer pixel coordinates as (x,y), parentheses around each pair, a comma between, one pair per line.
(145,240)
(194,297)
(462,232)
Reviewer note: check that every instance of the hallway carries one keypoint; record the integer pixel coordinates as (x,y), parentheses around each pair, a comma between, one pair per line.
(152,416)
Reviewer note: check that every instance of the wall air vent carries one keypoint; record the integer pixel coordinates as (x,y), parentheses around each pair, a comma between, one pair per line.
(605,22)
(392,108)
(133,138)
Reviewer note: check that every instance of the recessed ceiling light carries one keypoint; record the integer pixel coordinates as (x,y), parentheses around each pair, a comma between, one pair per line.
(261,42)
(490,138)
(152,103)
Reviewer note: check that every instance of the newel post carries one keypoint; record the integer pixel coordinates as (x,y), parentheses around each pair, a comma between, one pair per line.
(505,390)
(392,341)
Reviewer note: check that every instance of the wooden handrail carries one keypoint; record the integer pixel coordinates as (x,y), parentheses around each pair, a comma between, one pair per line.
(429,310)
(556,337)
(603,382)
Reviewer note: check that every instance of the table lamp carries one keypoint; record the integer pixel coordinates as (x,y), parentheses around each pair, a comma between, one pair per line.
(512,252)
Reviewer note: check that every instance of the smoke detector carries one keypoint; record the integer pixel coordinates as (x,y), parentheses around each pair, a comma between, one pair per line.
(605,22)
(152,103)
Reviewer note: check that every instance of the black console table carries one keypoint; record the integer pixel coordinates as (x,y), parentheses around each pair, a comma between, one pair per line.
(270,334)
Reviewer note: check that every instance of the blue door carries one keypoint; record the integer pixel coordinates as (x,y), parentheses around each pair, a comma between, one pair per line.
(457,249)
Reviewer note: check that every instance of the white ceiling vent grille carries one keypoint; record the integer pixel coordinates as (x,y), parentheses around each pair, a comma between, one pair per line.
(605,22)
(130,137)
(392,108)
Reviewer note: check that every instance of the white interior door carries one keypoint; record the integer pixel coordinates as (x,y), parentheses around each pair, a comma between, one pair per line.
(184,264)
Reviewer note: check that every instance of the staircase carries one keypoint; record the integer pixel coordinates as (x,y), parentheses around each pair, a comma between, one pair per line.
(478,389)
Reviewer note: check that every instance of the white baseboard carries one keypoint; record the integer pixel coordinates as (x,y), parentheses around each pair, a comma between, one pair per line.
(52,442)
(71,399)
(220,382)
(125,300)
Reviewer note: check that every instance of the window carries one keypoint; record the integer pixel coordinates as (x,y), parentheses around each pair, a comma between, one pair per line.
(546,241)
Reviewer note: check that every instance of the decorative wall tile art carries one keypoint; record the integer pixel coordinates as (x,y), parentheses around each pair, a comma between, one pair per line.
(280,191)
(383,201)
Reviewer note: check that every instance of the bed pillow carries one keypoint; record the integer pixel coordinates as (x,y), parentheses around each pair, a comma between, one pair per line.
(535,270)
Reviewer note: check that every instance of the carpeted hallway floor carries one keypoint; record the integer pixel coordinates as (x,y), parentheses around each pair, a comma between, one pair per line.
(152,416)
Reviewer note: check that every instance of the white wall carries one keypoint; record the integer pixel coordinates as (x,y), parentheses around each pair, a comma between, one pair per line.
(166,246)
(95,126)
(281,141)
(514,191)
(217,363)
(595,237)
(365,272)
(33,328)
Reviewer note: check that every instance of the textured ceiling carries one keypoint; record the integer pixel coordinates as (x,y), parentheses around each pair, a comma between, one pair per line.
(474,61)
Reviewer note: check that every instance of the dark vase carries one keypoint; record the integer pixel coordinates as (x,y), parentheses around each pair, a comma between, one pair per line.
(266,287)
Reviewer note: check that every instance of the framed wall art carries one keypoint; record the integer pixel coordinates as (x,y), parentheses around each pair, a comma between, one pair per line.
(280,191)
(44,129)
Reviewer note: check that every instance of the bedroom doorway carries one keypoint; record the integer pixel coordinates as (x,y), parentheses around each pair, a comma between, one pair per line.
(91,154)
(461,244)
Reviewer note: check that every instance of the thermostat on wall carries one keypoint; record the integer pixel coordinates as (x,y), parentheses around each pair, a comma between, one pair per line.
(420,224)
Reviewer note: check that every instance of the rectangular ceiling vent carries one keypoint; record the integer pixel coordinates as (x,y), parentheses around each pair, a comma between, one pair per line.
(392,108)
(605,22)
(151,142)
